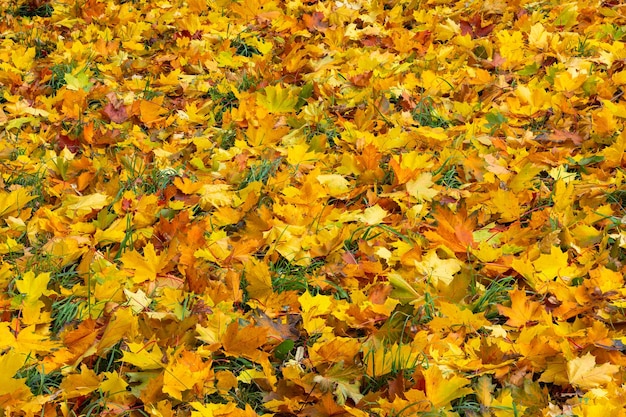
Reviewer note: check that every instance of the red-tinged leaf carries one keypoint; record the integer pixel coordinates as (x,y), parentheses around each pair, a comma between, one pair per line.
(115,114)
(466,28)
(483,31)
(314,21)
(370,40)
(454,230)
(64,141)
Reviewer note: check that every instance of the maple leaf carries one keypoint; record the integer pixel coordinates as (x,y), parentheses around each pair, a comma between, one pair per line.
(78,341)
(78,81)
(161,182)
(215,195)
(188,370)
(343,381)
(13,201)
(123,325)
(146,265)
(137,301)
(454,230)
(435,269)
(373,215)
(115,109)
(315,21)
(10,363)
(335,184)
(79,206)
(145,356)
(484,390)
(421,187)
(474,27)
(33,288)
(440,390)
(278,99)
(402,290)
(522,311)
(76,385)
(151,112)
(383,361)
(583,372)
(244,342)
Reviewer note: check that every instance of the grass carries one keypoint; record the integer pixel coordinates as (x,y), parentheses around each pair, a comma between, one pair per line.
(324,127)
(64,311)
(57,79)
(398,365)
(496,292)
(425,114)
(261,171)
(39,381)
(34,181)
(227,138)
(111,361)
(617,197)
(467,406)
(223,101)
(32,9)
(143,178)
(243,49)
(245,393)
(66,277)
(371,232)
(287,276)
(450,178)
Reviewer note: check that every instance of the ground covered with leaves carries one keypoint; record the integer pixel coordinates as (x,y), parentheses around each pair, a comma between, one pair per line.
(318,208)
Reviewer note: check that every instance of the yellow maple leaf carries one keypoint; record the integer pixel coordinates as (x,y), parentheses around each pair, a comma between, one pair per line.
(31,340)
(437,270)
(335,184)
(77,385)
(382,361)
(33,287)
(584,373)
(22,57)
(151,112)
(421,187)
(373,215)
(184,373)
(440,391)
(145,356)
(504,406)
(80,206)
(113,383)
(402,290)
(137,301)
(123,325)
(277,99)
(212,410)
(522,309)
(484,390)
(548,266)
(507,204)
(10,363)
(616,153)
(215,195)
(12,202)
(146,266)
(79,81)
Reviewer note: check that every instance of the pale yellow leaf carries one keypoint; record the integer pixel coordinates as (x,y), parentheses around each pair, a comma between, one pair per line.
(583,372)
(373,215)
